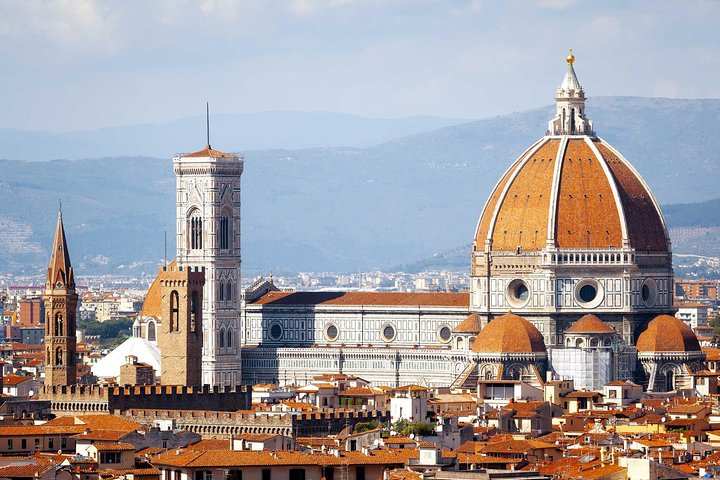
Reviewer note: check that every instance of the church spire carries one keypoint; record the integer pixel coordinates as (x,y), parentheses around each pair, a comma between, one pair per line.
(60,314)
(60,271)
(570,116)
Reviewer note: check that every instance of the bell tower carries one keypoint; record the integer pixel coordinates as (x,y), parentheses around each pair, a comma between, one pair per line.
(60,309)
(181,333)
(208,237)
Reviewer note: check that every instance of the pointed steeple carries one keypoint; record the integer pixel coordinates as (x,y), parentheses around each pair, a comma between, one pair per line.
(570,116)
(60,271)
(570,85)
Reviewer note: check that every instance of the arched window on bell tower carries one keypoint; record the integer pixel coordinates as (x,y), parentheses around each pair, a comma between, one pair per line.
(174,311)
(195,230)
(224,231)
(58,356)
(58,325)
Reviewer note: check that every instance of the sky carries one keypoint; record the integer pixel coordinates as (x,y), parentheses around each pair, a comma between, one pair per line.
(85,64)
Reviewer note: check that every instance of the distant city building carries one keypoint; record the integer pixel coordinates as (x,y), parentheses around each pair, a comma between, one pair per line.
(32,312)
(693,314)
(696,290)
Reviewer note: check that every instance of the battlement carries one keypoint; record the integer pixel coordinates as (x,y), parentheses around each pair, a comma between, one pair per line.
(173,267)
(227,424)
(120,398)
(177,276)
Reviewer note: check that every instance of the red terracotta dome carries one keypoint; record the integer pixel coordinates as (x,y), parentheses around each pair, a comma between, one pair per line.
(509,333)
(571,192)
(471,324)
(666,333)
(152,306)
(590,324)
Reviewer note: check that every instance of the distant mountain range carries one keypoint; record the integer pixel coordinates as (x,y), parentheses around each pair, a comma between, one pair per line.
(344,208)
(234,132)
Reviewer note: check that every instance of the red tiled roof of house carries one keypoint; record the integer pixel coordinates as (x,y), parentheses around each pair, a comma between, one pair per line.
(398,440)
(97,422)
(106,435)
(9,380)
(360,392)
(113,447)
(232,458)
(211,444)
(33,468)
(257,437)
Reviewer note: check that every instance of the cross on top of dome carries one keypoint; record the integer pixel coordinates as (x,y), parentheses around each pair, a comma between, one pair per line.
(570,116)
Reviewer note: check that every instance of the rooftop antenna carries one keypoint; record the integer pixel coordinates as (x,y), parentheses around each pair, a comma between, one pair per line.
(165,253)
(207,123)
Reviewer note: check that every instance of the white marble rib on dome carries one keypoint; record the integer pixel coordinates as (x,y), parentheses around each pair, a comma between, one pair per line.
(145,352)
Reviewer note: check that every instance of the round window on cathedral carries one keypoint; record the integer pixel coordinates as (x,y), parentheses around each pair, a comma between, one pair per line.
(388,333)
(588,293)
(331,332)
(649,292)
(276,331)
(517,293)
(444,334)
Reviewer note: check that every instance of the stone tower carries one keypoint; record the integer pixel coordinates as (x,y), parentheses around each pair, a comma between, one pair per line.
(181,333)
(60,309)
(208,236)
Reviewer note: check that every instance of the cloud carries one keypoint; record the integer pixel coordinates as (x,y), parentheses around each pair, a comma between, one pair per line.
(556,4)
(62,25)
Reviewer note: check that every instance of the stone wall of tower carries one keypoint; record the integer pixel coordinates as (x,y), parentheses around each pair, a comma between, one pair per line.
(60,314)
(60,349)
(208,209)
(180,337)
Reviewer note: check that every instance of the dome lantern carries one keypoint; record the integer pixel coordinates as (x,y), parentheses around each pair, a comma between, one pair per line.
(570,118)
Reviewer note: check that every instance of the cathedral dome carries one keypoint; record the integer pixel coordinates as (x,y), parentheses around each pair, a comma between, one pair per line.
(509,333)
(666,333)
(576,192)
(590,324)
(571,190)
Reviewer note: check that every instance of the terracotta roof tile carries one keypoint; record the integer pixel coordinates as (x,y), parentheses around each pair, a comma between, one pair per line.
(509,333)
(113,447)
(586,213)
(471,324)
(10,380)
(590,324)
(444,299)
(666,333)
(646,230)
(231,458)
(523,214)
(208,152)
(152,306)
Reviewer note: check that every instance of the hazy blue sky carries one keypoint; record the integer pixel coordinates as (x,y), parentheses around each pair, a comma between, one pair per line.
(83,64)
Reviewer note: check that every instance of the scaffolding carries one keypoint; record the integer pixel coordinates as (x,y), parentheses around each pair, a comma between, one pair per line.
(592,368)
